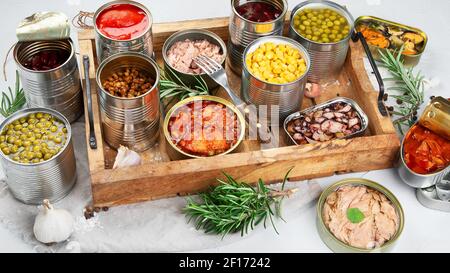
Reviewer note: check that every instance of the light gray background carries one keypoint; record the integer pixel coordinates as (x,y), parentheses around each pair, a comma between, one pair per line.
(425,230)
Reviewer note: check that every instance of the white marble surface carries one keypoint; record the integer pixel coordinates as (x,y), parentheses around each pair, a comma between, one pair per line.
(425,230)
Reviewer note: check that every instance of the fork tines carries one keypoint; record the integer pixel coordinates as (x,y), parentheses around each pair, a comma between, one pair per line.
(207,64)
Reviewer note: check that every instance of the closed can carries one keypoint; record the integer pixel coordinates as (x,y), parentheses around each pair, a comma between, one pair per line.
(107,46)
(52,179)
(288,97)
(131,122)
(327,59)
(243,31)
(58,89)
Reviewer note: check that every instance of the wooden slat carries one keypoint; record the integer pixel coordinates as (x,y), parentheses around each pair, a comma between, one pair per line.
(123,186)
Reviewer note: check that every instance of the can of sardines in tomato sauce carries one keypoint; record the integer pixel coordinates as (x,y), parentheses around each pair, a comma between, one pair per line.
(425,151)
(123,26)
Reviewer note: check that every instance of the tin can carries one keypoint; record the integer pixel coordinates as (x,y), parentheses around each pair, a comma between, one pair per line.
(411,178)
(436,117)
(107,46)
(409,60)
(52,179)
(327,59)
(193,35)
(58,89)
(131,122)
(340,247)
(362,116)
(436,198)
(174,152)
(243,32)
(288,97)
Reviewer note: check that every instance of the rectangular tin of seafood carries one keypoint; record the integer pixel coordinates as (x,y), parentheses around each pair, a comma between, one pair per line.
(362,116)
(394,33)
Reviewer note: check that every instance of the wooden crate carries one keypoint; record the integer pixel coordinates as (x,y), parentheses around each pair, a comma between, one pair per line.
(161,178)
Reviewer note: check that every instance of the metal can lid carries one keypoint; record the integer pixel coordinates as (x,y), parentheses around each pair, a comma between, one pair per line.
(40,26)
(436,117)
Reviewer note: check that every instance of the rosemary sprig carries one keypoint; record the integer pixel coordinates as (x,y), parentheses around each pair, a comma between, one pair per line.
(237,207)
(408,84)
(13,101)
(172,87)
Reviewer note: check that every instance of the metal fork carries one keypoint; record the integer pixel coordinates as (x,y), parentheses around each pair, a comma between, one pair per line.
(218,74)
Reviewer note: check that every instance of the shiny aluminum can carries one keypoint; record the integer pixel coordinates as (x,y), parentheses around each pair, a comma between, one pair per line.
(327,59)
(243,32)
(58,89)
(338,246)
(288,97)
(52,179)
(436,117)
(107,46)
(131,122)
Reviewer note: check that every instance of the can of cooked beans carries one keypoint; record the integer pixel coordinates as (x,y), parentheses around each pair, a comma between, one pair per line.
(51,179)
(243,31)
(108,45)
(287,97)
(327,56)
(57,88)
(131,122)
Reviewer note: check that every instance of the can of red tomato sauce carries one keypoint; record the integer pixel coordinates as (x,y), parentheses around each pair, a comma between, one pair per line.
(425,150)
(123,26)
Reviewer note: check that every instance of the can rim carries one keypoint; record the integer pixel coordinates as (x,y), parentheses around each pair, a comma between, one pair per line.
(172,39)
(16,58)
(371,184)
(118,2)
(28,111)
(125,54)
(204,98)
(325,3)
(285,40)
(281,17)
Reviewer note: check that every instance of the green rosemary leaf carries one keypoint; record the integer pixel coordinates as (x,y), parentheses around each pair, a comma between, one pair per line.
(13,101)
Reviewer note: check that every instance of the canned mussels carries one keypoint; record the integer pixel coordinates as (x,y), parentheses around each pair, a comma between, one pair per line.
(327,58)
(243,31)
(132,122)
(51,179)
(57,88)
(107,46)
(288,97)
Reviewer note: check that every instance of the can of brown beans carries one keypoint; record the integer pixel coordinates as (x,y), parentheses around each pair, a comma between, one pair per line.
(129,100)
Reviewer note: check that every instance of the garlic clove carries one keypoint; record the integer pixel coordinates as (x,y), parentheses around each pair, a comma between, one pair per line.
(52,225)
(126,158)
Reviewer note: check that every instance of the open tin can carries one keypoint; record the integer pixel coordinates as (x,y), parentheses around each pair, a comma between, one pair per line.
(131,122)
(360,113)
(327,59)
(59,88)
(436,118)
(107,46)
(340,247)
(390,28)
(287,97)
(243,31)
(52,179)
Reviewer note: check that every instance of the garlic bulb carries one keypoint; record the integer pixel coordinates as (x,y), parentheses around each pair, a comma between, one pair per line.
(126,158)
(52,225)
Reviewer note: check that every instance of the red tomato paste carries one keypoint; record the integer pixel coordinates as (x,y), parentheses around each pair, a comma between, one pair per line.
(426,152)
(122,22)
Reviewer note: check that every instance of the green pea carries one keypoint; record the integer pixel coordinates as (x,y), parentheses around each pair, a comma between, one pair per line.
(47,156)
(6,151)
(39,115)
